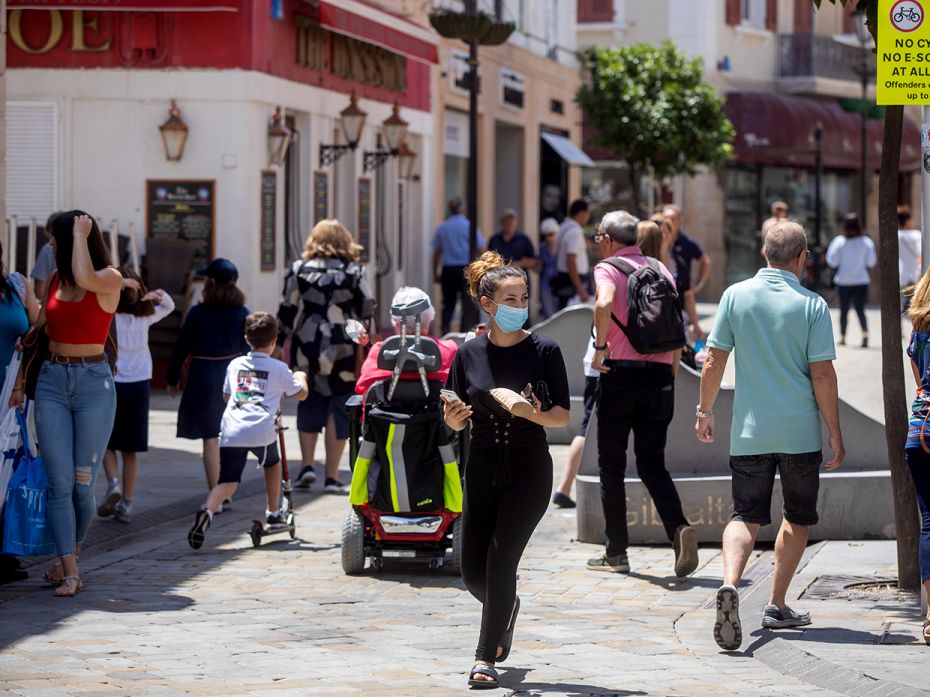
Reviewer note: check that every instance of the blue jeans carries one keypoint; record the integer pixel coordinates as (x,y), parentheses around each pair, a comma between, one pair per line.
(919,463)
(75,406)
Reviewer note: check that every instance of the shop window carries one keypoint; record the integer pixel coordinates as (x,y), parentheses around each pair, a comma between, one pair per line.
(754,13)
(513,89)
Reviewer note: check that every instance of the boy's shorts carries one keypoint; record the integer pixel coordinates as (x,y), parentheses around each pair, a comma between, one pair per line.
(315,410)
(232,461)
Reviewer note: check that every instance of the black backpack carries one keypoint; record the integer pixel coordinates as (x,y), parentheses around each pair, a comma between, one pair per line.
(655,324)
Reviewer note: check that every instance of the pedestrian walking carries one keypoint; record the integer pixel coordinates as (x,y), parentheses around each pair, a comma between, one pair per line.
(852,254)
(211,336)
(548,252)
(74,396)
(783,338)
(253,389)
(668,241)
(909,254)
(514,247)
(563,493)
(917,446)
(686,251)
(573,278)
(508,475)
(637,390)
(324,288)
(779,212)
(137,311)
(451,254)
(45,262)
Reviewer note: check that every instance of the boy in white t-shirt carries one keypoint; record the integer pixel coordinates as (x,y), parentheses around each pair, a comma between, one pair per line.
(254,388)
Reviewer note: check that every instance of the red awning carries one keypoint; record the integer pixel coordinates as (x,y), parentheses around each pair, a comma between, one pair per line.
(371,31)
(775,129)
(128,5)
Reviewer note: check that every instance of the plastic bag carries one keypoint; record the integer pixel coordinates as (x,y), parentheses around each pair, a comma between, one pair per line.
(26,531)
(10,451)
(6,391)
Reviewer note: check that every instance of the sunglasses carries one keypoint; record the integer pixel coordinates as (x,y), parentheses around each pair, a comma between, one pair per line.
(598,236)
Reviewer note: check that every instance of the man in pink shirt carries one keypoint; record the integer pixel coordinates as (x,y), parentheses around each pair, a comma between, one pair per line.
(638,395)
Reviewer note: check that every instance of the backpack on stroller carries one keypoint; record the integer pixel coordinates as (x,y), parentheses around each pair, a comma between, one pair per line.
(406,490)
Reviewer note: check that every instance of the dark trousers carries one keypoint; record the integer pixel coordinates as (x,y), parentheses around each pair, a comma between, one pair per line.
(454,289)
(506,495)
(855,296)
(919,463)
(641,400)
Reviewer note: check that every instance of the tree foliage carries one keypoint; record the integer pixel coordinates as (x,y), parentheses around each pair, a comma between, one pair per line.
(651,109)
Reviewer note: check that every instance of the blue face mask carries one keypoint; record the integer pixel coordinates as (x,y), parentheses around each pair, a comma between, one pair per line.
(510,319)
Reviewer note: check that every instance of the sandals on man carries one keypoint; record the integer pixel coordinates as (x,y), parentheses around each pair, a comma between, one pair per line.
(69,587)
(486,670)
(507,639)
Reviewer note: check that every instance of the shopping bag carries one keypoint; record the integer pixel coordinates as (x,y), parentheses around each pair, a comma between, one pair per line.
(25,517)
(10,451)
(12,372)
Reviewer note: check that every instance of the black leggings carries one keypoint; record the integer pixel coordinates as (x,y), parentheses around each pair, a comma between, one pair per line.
(855,295)
(506,495)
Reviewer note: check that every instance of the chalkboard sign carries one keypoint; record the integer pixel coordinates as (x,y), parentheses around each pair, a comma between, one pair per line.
(364,216)
(182,210)
(269,209)
(320,196)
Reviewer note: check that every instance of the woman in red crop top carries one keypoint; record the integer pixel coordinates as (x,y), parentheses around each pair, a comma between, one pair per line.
(75,399)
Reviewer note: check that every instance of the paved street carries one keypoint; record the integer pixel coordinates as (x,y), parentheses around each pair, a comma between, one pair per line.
(158,618)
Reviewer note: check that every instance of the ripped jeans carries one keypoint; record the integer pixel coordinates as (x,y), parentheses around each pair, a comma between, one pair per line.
(75,406)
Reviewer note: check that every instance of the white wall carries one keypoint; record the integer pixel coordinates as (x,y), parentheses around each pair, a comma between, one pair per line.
(111,145)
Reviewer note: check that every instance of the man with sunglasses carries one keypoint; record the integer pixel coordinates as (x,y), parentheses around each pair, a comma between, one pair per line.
(785,382)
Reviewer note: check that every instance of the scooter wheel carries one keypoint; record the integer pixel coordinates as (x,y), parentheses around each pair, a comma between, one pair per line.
(292,525)
(434,565)
(256,534)
(376,564)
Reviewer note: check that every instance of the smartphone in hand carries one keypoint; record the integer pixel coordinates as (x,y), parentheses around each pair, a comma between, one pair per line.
(450,396)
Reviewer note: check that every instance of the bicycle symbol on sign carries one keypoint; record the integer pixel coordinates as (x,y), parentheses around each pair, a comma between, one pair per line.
(909,14)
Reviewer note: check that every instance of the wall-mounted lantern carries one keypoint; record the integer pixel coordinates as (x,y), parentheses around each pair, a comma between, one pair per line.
(394,129)
(351,122)
(279,139)
(174,134)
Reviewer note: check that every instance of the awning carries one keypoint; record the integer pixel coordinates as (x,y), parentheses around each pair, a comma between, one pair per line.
(567,150)
(128,5)
(393,38)
(774,129)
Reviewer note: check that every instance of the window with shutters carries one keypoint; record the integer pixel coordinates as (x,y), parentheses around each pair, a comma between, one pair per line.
(595,11)
(754,13)
(31,159)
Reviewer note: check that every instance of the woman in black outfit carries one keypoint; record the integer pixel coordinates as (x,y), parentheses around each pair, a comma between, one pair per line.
(508,475)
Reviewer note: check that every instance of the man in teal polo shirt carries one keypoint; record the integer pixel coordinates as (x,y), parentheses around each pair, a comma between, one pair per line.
(783,338)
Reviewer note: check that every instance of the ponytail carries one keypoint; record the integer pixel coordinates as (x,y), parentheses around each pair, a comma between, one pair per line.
(484,274)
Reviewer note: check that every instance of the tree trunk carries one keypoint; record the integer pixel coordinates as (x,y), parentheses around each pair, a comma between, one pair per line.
(907,529)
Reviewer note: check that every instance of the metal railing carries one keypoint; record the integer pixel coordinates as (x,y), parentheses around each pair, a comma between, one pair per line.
(13,232)
(812,55)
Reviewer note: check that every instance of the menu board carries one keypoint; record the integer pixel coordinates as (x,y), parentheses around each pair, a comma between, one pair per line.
(364,216)
(269,208)
(320,196)
(182,210)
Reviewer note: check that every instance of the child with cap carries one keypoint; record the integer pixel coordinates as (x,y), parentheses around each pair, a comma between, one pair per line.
(253,390)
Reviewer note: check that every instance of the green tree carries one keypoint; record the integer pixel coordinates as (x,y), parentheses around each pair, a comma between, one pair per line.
(651,109)
(907,530)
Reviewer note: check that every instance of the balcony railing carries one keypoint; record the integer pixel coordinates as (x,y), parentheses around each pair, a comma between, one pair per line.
(810,55)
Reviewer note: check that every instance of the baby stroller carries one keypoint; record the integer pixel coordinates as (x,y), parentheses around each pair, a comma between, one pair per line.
(406,491)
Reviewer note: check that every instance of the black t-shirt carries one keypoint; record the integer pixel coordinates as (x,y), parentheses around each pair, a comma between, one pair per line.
(479,366)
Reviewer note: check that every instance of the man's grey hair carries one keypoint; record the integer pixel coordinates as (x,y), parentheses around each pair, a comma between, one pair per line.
(784,242)
(409,294)
(620,226)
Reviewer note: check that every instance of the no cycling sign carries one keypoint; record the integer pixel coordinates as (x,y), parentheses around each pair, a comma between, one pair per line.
(903,52)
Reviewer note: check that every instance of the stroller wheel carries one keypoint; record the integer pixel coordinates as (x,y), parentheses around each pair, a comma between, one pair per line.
(353,543)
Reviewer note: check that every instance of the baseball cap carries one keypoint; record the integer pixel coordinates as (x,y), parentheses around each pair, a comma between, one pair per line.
(549,225)
(220,270)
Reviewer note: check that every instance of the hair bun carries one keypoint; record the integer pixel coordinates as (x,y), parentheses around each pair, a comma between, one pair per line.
(479,268)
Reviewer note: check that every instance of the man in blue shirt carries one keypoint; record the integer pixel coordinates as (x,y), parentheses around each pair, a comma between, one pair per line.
(686,251)
(450,257)
(783,338)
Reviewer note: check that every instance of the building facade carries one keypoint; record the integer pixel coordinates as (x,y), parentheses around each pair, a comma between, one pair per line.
(88,91)
(784,70)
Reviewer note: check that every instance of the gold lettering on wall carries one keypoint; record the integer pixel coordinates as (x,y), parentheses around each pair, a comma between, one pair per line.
(78,38)
(56,31)
(348,58)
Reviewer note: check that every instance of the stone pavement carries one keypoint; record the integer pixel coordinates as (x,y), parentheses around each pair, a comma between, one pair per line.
(158,618)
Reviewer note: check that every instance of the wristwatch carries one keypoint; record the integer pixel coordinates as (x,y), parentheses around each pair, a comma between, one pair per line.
(702,414)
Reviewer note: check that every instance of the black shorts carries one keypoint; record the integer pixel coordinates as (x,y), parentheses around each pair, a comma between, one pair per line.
(754,479)
(315,410)
(232,461)
(590,399)
(130,432)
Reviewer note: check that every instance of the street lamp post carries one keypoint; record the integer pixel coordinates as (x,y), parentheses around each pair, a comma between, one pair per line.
(862,33)
(818,213)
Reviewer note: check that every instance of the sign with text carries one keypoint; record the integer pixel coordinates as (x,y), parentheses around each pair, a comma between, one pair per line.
(903,52)
(182,210)
(269,209)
